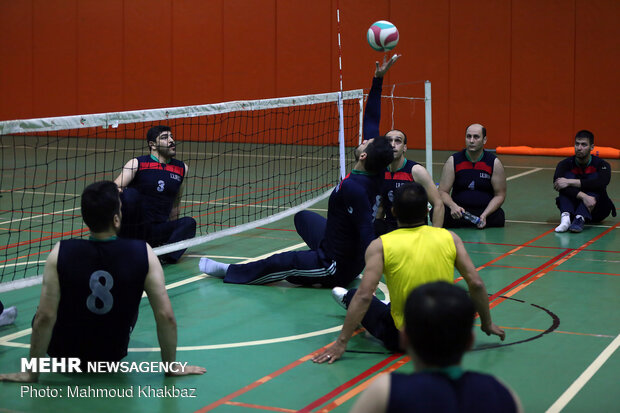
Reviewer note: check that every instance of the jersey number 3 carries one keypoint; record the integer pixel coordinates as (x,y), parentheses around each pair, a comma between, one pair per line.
(101,300)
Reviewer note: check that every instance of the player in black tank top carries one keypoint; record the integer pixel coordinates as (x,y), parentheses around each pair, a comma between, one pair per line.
(92,290)
(439,319)
(152,186)
(473,180)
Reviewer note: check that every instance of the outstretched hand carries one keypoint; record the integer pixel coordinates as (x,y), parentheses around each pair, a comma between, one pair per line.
(330,354)
(381,69)
(495,330)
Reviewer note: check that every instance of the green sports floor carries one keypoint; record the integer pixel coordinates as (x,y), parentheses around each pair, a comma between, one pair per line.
(555,294)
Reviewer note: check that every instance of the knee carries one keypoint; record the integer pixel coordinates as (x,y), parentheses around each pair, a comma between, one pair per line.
(189,224)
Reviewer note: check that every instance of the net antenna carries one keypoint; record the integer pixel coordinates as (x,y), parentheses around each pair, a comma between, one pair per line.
(250,163)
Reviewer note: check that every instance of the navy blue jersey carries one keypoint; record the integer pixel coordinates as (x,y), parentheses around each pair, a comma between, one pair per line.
(158,184)
(436,392)
(101,285)
(350,215)
(472,180)
(391,181)
(372,113)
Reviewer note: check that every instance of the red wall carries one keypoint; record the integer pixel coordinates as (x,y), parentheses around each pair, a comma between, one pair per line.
(532,71)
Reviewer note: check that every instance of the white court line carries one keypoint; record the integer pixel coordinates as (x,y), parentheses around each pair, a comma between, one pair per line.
(581,381)
(531,171)
(37,216)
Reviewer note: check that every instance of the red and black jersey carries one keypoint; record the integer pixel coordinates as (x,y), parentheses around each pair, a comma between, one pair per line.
(158,184)
(472,180)
(393,180)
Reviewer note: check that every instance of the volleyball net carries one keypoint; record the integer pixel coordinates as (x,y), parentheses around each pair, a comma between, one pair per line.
(250,162)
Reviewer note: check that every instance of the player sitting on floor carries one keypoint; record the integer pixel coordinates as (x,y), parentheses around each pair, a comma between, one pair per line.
(92,289)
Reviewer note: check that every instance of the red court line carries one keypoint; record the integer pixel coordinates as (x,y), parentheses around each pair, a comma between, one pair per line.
(350,383)
(562,258)
(533,246)
(362,386)
(265,379)
(35,240)
(256,406)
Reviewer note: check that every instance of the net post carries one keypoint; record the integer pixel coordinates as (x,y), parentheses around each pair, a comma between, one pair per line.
(428,121)
(341,136)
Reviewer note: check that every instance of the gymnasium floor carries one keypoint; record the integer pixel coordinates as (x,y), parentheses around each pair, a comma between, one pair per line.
(555,294)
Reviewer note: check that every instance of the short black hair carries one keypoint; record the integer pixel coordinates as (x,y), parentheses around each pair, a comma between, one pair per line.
(400,131)
(585,134)
(379,154)
(100,202)
(155,131)
(439,318)
(410,203)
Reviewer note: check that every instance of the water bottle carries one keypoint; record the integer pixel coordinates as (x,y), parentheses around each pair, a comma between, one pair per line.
(471,217)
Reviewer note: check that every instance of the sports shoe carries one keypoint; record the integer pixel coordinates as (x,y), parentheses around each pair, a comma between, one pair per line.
(8,316)
(338,294)
(577,225)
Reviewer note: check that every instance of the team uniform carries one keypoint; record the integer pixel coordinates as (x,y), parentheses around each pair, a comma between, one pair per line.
(448,390)
(391,181)
(594,179)
(148,200)
(412,257)
(473,189)
(337,244)
(101,285)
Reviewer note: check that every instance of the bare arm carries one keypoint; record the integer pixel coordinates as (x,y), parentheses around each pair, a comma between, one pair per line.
(477,289)
(44,319)
(445,186)
(375,398)
(164,316)
(174,212)
(498,180)
(359,304)
(421,175)
(127,174)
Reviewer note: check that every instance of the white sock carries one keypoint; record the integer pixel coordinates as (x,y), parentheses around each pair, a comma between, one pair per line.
(8,316)
(214,268)
(564,223)
(579,216)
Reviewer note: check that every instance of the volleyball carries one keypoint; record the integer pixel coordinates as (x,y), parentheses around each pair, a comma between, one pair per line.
(382,36)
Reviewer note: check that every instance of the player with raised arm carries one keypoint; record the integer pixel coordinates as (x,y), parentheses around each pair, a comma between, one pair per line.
(401,170)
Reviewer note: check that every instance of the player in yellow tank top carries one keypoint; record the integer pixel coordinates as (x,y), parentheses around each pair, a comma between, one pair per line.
(412,255)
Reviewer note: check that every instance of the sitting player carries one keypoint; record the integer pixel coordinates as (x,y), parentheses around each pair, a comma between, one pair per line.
(439,318)
(477,181)
(152,186)
(401,170)
(581,181)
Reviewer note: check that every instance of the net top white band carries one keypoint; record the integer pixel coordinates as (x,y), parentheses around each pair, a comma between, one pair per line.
(113,119)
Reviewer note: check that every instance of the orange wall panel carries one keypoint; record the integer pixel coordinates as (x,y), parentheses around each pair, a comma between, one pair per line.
(54,57)
(147,54)
(597,51)
(198,44)
(99,55)
(543,47)
(16,68)
(249,60)
(480,69)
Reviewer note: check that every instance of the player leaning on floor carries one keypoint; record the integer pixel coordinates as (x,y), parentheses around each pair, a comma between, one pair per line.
(152,187)
(401,170)
(92,290)
(473,180)
(337,244)
(581,181)
(410,256)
